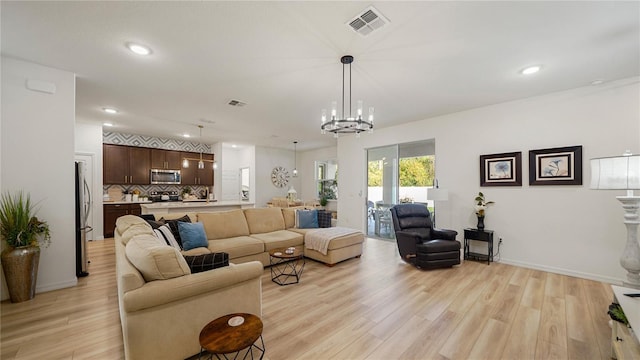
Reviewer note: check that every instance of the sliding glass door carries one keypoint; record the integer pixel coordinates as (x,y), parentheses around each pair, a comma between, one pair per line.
(382,194)
(401,173)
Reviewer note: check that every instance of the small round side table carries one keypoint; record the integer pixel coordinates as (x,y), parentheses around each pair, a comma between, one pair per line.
(231,334)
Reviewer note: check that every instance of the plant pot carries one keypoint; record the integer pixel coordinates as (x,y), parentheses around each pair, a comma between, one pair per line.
(20,267)
(480,225)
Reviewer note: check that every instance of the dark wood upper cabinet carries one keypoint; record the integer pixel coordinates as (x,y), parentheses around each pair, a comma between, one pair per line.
(132,165)
(126,164)
(166,159)
(194,176)
(115,160)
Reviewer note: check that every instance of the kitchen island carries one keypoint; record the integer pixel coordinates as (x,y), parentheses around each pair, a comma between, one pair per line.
(193,206)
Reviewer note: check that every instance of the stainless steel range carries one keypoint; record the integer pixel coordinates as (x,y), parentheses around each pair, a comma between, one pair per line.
(158,196)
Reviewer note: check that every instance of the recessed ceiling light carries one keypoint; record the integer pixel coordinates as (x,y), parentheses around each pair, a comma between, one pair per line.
(186,135)
(139,49)
(109,110)
(531,70)
(107,124)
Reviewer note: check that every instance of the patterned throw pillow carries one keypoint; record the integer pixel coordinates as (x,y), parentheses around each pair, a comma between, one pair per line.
(200,263)
(324,219)
(173,225)
(164,233)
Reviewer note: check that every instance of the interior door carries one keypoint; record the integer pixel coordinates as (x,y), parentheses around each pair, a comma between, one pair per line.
(382,190)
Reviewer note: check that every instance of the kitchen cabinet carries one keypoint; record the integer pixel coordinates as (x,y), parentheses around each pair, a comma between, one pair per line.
(166,159)
(126,164)
(194,176)
(111,213)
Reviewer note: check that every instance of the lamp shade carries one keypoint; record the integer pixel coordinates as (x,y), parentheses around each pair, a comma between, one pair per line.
(437,194)
(616,173)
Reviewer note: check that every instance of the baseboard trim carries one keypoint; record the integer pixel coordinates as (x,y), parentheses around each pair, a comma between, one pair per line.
(56,286)
(561,271)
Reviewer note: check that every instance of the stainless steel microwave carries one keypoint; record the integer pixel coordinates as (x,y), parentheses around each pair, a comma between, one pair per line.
(162,176)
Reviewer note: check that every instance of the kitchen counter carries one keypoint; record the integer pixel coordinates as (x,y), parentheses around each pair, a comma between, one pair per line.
(120,202)
(193,206)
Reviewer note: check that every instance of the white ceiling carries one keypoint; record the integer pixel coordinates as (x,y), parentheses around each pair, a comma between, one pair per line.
(282,59)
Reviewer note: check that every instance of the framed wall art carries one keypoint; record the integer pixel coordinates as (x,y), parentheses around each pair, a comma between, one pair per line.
(557,166)
(501,169)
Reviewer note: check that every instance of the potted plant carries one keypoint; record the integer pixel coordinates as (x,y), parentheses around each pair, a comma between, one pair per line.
(23,233)
(481,206)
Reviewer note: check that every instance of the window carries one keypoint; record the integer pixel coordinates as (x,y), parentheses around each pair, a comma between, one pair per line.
(327,179)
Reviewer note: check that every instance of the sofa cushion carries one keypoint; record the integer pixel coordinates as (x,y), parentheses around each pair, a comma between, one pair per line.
(192,235)
(224,224)
(279,239)
(289,215)
(154,260)
(130,225)
(200,263)
(339,242)
(164,233)
(237,246)
(196,251)
(174,216)
(307,219)
(264,220)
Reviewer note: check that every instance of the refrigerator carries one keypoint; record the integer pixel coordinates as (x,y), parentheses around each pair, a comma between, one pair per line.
(83,209)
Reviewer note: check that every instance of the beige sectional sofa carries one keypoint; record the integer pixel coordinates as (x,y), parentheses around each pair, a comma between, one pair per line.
(163,306)
(250,234)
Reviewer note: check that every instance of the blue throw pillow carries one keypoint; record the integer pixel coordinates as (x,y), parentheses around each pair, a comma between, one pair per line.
(307,219)
(192,235)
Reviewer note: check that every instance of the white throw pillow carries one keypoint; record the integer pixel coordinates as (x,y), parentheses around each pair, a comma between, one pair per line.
(166,236)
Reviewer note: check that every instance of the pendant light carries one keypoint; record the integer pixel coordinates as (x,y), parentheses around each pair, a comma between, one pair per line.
(295,169)
(200,163)
(346,123)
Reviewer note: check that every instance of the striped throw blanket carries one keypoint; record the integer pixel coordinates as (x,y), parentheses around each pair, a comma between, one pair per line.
(319,239)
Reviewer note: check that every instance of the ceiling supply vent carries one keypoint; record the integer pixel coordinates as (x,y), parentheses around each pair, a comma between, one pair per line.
(366,22)
(237,103)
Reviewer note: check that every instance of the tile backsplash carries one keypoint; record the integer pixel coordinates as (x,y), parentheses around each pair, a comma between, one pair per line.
(116,192)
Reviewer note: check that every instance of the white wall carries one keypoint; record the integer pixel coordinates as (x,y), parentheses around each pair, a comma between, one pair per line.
(88,141)
(38,158)
(266,159)
(306,170)
(232,161)
(564,229)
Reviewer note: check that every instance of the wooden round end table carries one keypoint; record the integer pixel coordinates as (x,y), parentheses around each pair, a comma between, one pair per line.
(230,334)
(286,268)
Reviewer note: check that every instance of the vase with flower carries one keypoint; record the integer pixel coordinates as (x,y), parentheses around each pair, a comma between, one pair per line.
(481,206)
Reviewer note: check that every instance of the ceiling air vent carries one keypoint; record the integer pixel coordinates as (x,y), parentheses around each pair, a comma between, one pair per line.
(237,103)
(368,21)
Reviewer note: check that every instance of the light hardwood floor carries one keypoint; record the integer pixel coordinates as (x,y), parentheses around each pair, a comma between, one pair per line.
(375,307)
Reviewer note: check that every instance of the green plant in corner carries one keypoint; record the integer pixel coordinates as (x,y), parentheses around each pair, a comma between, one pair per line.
(24,234)
(19,225)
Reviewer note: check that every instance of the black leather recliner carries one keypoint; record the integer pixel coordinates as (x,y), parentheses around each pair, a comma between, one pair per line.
(419,243)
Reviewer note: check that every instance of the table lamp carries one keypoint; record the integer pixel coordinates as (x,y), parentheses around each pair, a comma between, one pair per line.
(623,173)
(437,194)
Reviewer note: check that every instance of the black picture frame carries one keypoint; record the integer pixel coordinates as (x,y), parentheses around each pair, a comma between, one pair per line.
(503,169)
(556,166)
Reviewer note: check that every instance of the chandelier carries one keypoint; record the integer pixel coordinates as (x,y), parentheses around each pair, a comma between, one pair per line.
(350,124)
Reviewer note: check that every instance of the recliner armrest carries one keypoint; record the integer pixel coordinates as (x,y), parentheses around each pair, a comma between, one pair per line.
(444,234)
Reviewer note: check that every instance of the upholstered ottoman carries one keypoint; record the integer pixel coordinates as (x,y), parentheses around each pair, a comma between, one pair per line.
(437,253)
